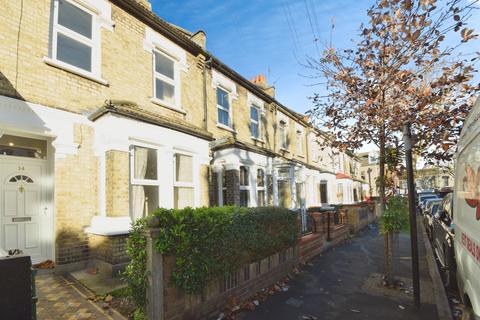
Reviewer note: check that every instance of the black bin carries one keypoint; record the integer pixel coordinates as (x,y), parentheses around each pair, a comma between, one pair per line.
(16,288)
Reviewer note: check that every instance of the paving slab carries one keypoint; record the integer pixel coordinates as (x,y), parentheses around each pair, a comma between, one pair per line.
(344,283)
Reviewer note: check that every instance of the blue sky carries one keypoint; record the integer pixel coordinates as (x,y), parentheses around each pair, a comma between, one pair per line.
(264,36)
(253,36)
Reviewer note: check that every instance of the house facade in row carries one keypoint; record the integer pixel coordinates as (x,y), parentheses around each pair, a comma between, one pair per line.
(108,112)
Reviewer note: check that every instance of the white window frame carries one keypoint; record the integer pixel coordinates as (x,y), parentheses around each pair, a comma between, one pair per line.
(258,122)
(175,82)
(299,147)
(248,187)
(143,182)
(224,83)
(230,120)
(179,184)
(283,135)
(259,188)
(94,43)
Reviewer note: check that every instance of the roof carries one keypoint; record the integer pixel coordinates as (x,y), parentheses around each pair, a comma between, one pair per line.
(342,176)
(131,110)
(181,37)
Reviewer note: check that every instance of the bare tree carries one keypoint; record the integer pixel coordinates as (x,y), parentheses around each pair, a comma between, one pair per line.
(402,70)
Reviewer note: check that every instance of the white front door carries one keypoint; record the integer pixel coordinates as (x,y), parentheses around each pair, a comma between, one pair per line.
(23,211)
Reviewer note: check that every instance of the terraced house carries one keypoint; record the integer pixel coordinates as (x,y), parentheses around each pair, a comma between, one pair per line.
(108,112)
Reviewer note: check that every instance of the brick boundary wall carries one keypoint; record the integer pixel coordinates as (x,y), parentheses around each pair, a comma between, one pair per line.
(167,302)
(359,216)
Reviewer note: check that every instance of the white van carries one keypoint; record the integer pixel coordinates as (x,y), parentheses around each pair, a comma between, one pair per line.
(466,214)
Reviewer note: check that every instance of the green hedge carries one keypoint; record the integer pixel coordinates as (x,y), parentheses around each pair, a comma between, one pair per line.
(209,243)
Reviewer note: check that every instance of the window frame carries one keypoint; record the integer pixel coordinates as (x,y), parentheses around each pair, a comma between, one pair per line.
(142,182)
(246,187)
(181,184)
(93,43)
(257,122)
(300,149)
(175,82)
(283,136)
(261,188)
(229,110)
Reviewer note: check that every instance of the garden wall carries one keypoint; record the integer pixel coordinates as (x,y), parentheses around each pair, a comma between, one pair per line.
(359,216)
(171,302)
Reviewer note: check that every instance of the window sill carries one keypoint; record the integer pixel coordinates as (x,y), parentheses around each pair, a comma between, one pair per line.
(257,140)
(284,150)
(167,105)
(301,156)
(224,127)
(71,69)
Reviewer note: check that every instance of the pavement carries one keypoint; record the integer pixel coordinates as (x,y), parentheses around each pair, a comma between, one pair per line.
(345,283)
(60,298)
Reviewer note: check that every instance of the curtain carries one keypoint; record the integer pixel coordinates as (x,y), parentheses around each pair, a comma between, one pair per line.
(138,192)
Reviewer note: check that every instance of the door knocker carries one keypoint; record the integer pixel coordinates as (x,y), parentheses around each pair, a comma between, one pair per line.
(21,189)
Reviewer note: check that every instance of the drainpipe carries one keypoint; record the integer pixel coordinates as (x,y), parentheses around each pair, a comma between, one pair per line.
(208,63)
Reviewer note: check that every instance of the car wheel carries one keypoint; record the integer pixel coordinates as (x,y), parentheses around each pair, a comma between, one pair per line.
(468,313)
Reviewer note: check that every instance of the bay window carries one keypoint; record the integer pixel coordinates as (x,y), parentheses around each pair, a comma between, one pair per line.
(184,190)
(260,188)
(244,187)
(144,197)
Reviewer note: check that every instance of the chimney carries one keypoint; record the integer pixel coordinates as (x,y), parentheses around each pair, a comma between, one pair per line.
(261,82)
(200,38)
(145,4)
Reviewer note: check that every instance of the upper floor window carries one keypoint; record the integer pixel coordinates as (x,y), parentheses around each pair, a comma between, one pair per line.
(283,135)
(373,158)
(223,106)
(164,74)
(446,181)
(74,36)
(255,122)
(299,142)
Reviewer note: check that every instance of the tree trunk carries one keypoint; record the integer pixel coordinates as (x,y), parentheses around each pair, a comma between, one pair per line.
(387,239)
(381,189)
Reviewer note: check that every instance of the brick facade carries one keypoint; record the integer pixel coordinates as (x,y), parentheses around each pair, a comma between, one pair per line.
(111,249)
(76,198)
(126,68)
(117,183)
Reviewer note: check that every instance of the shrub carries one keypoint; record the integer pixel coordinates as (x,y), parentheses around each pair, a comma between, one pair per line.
(135,273)
(395,218)
(209,243)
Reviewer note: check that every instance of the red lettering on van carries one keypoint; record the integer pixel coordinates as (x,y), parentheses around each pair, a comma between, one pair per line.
(471,183)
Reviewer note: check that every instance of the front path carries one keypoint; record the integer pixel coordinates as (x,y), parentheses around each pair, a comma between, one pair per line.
(61,299)
(344,283)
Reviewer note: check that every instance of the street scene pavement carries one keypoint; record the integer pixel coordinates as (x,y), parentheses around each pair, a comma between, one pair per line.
(345,283)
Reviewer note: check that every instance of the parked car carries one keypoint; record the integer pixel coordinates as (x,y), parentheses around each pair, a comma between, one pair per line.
(443,237)
(431,209)
(466,218)
(422,198)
